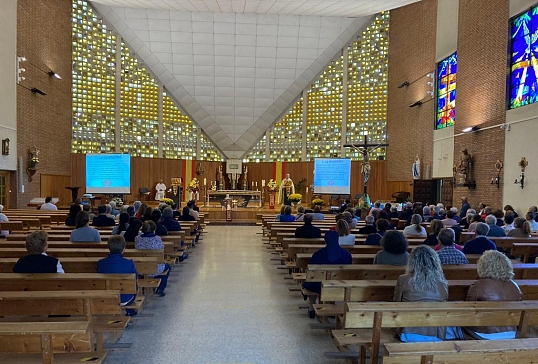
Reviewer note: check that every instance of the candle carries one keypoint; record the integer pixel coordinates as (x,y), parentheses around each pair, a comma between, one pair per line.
(307,190)
(253,184)
(256,183)
(263,183)
(205,181)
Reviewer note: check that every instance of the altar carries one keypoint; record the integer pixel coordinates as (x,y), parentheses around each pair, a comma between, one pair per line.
(239,198)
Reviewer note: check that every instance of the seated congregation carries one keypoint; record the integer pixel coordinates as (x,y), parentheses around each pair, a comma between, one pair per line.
(113,262)
(419,254)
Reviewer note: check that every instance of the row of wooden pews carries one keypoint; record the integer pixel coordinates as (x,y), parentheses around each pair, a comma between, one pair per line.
(355,303)
(73,317)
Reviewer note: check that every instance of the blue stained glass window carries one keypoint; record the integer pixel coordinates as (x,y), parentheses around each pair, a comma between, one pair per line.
(523,63)
(446,92)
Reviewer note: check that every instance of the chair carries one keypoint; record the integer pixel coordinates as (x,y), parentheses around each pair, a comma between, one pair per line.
(144,191)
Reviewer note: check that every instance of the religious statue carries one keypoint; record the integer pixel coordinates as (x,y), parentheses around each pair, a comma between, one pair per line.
(176,190)
(464,166)
(161,190)
(416,168)
(221,179)
(245,180)
(286,188)
(365,167)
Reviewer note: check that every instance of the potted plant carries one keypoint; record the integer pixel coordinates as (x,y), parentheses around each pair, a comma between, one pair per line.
(364,205)
(295,198)
(318,202)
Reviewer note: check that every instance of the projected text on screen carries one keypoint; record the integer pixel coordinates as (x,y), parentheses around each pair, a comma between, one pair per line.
(108,173)
(332,176)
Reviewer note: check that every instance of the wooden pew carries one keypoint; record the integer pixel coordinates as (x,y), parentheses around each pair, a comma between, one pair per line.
(144,265)
(100,308)
(318,273)
(369,325)
(462,351)
(21,337)
(74,252)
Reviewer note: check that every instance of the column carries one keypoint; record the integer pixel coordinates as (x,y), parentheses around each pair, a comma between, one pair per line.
(161,128)
(305,121)
(344,101)
(117,129)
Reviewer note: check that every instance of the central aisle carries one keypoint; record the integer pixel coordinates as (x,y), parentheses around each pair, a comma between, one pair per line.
(227,303)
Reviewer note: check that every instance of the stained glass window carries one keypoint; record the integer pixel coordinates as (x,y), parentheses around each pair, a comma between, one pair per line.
(94,79)
(368,62)
(208,152)
(286,136)
(446,91)
(257,154)
(179,134)
(523,63)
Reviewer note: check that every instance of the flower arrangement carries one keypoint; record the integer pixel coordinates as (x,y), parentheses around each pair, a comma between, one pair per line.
(118,201)
(213,187)
(194,185)
(295,197)
(318,202)
(364,203)
(272,186)
(167,201)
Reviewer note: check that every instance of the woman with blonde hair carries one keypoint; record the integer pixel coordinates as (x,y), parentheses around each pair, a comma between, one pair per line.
(415,229)
(344,237)
(495,284)
(522,229)
(141,210)
(424,281)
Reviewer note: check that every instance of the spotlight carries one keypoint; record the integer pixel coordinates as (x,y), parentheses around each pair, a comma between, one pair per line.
(471,129)
(54,74)
(406,83)
(37,91)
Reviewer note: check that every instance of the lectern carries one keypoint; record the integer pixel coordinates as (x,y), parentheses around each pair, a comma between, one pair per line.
(74,193)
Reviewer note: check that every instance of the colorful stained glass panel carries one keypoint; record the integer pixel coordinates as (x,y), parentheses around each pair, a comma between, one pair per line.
(523,63)
(446,92)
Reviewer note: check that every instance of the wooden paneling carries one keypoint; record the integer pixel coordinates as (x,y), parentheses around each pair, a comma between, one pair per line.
(54,185)
(145,172)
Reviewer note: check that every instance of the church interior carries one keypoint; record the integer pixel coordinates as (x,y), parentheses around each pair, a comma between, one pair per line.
(231,103)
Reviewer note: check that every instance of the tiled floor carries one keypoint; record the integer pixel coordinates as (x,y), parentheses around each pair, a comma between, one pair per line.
(227,303)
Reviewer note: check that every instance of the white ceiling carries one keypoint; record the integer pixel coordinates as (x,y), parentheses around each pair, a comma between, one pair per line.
(341,8)
(234,74)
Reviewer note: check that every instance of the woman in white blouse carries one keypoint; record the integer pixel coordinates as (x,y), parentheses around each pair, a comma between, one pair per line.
(415,229)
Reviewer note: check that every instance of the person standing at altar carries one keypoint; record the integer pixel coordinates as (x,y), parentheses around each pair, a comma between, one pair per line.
(161,190)
(286,188)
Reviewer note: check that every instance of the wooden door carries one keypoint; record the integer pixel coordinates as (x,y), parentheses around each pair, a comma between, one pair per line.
(447,189)
(4,188)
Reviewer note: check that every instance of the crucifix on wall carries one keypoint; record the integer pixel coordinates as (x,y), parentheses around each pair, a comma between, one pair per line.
(365,149)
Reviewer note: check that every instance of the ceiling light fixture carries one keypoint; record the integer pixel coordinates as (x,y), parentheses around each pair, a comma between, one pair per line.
(471,129)
(54,74)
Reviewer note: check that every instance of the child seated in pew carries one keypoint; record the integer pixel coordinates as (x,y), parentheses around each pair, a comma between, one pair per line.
(115,263)
(424,281)
(37,260)
(148,240)
(495,284)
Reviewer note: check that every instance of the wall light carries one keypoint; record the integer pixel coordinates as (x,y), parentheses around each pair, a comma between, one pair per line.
(54,74)
(471,129)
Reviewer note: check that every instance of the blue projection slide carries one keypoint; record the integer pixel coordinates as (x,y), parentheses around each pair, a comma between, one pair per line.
(332,176)
(108,173)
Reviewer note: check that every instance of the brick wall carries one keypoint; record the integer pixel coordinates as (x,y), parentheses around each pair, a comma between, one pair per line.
(481,93)
(411,58)
(44,38)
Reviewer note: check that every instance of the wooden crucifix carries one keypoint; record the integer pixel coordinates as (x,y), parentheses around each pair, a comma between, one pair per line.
(363,149)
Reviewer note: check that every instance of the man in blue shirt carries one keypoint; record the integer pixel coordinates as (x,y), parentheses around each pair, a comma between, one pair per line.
(494,230)
(115,263)
(448,254)
(102,219)
(308,230)
(480,243)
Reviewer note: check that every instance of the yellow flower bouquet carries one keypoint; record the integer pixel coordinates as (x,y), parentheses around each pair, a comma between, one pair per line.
(272,186)
(167,201)
(295,197)
(194,185)
(318,202)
